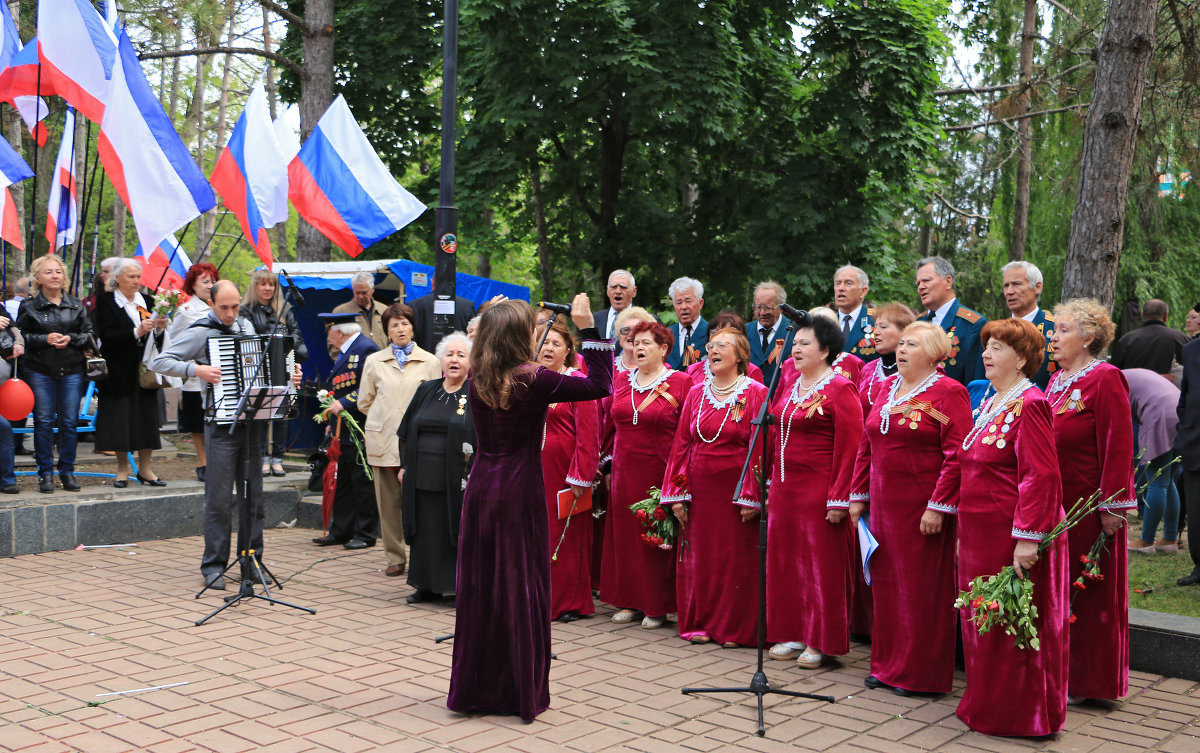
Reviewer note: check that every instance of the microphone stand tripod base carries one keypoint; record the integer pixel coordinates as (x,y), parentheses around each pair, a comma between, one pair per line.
(760,686)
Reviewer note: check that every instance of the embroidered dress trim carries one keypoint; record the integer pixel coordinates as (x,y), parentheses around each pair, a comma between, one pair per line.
(597,345)
(860,497)
(1062,384)
(670,499)
(743,502)
(840,504)
(1122,504)
(606,459)
(1020,533)
(940,507)
(576,482)
(742,386)
(662,377)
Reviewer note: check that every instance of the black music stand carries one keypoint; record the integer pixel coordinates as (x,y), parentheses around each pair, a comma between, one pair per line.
(256,404)
(759,684)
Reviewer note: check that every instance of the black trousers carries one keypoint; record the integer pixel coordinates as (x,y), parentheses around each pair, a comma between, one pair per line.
(1191,490)
(229,457)
(355,514)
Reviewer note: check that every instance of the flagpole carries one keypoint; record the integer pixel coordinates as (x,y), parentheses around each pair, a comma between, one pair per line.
(171,258)
(33,198)
(95,240)
(230,251)
(81,220)
(446,220)
(213,234)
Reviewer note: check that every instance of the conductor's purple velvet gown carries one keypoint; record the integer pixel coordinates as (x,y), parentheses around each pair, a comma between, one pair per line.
(502,630)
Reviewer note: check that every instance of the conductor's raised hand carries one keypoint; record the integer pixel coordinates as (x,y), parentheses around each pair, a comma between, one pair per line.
(581,312)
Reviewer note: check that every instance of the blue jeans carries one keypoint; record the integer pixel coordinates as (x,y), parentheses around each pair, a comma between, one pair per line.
(8,475)
(55,398)
(1162,500)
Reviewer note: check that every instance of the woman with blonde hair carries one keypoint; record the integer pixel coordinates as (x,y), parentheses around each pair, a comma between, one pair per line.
(906,478)
(502,632)
(890,320)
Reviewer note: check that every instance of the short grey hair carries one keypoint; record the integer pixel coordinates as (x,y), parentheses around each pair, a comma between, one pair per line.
(22,286)
(363,278)
(456,336)
(347,328)
(683,284)
(862,276)
(1033,275)
(780,295)
(119,269)
(942,267)
(824,312)
(109,262)
(625,272)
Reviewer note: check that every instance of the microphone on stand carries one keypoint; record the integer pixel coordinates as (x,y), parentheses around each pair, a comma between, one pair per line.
(558,308)
(801,318)
(297,299)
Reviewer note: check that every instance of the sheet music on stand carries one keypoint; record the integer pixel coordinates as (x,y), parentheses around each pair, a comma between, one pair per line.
(267,403)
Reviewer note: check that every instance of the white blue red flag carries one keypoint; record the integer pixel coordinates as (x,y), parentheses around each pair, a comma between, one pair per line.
(31,107)
(78,52)
(12,169)
(168,262)
(251,174)
(62,209)
(339,185)
(148,164)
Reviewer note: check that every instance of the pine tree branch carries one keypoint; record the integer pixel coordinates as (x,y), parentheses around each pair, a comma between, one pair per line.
(1003,121)
(286,62)
(286,15)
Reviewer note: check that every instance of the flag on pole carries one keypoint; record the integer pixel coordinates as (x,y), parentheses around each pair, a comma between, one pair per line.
(78,53)
(12,169)
(62,208)
(251,173)
(144,157)
(168,261)
(31,107)
(340,186)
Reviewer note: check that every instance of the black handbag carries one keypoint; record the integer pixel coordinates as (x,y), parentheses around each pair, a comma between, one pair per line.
(96,368)
(318,461)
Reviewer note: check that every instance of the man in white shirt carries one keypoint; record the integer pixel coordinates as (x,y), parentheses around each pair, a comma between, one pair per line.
(621,291)
(935,286)
(768,346)
(1022,291)
(856,318)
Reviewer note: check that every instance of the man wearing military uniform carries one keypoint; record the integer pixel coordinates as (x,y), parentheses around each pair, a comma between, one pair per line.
(935,286)
(354,522)
(856,317)
(1022,291)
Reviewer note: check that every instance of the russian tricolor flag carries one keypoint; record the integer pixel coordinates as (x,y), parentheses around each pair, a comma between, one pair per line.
(78,53)
(18,77)
(339,185)
(251,174)
(148,164)
(12,169)
(62,207)
(168,263)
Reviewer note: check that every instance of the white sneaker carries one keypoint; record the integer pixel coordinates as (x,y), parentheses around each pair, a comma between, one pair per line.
(625,616)
(787,650)
(811,659)
(651,623)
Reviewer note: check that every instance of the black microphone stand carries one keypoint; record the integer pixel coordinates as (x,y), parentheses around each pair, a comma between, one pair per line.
(251,568)
(759,685)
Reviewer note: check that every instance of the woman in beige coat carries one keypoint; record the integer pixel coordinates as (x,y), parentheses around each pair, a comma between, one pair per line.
(389,379)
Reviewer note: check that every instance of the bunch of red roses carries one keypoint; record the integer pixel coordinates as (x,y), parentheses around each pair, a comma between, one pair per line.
(659,527)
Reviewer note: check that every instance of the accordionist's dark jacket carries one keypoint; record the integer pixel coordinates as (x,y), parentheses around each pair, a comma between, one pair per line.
(190,348)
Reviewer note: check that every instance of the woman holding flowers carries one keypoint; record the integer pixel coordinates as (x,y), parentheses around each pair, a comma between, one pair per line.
(906,478)
(570,455)
(819,423)
(1010,501)
(647,399)
(716,581)
(1093,431)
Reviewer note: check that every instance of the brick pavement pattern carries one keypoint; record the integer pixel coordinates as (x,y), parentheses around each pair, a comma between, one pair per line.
(365,675)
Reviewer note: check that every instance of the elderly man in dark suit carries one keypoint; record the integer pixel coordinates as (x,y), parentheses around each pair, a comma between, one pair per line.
(768,344)
(1187,444)
(935,286)
(1153,345)
(621,292)
(1022,290)
(690,330)
(856,317)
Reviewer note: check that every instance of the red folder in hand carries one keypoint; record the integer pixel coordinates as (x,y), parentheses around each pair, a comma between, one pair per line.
(569,504)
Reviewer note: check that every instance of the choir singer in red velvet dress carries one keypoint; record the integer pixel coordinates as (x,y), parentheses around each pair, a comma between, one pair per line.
(818,425)
(906,479)
(890,321)
(647,400)
(1094,434)
(716,580)
(1010,499)
(570,455)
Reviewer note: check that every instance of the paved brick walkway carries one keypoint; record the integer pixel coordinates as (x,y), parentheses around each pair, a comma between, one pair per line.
(365,675)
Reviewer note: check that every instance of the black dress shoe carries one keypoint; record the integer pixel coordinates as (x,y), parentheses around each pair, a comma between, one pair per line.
(874,683)
(1190,579)
(327,541)
(200,473)
(11,489)
(358,544)
(121,483)
(215,582)
(421,596)
(259,576)
(149,481)
(46,483)
(68,481)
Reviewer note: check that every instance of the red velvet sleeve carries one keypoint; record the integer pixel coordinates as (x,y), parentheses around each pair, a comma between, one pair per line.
(1114,439)
(586,457)
(860,487)
(675,485)
(1039,486)
(956,404)
(847,433)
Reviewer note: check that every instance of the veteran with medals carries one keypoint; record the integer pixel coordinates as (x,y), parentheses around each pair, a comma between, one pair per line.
(1022,291)
(935,286)
(856,317)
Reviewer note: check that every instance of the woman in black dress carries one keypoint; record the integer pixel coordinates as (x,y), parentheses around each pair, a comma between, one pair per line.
(437,440)
(127,414)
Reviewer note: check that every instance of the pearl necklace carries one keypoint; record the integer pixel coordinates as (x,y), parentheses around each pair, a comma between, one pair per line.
(995,408)
(796,400)
(635,388)
(1064,384)
(885,411)
(731,390)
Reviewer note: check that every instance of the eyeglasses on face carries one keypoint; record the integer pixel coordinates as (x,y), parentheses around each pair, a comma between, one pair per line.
(764,308)
(718,345)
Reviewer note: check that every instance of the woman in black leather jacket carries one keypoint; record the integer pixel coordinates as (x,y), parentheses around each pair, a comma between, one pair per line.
(264,306)
(57,331)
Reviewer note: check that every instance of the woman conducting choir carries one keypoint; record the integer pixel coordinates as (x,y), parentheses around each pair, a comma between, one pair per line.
(890,320)
(906,478)
(1093,431)
(637,578)
(716,581)
(818,426)
(570,456)
(502,632)
(1010,499)
(389,380)
(437,440)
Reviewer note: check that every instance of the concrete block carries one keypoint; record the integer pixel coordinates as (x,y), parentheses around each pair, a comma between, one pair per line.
(60,527)
(29,530)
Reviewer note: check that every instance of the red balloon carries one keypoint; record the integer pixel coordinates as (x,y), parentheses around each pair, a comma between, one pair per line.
(16,399)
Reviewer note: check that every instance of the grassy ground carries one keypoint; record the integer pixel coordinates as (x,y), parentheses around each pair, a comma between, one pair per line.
(1152,582)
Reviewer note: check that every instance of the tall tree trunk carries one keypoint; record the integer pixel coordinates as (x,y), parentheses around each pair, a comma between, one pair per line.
(315,95)
(1016,244)
(174,108)
(1109,138)
(539,224)
(118,230)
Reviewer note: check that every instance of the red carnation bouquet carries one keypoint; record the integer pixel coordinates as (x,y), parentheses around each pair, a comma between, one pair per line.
(659,526)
